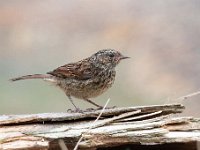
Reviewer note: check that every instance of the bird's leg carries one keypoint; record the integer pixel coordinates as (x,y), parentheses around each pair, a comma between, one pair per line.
(70,98)
(91,102)
(99,106)
(76,108)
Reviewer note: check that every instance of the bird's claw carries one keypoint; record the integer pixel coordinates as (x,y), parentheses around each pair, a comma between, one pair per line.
(90,109)
(77,110)
(100,108)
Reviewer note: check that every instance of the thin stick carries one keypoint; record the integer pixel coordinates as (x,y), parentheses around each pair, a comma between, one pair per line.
(76,147)
(187,96)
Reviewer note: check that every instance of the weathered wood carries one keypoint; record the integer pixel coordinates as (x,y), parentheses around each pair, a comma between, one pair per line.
(145,125)
(16,119)
(168,146)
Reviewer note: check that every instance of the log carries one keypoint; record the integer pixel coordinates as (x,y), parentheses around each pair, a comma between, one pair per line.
(157,125)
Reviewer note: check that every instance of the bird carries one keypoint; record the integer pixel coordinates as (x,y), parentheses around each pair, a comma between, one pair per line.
(84,79)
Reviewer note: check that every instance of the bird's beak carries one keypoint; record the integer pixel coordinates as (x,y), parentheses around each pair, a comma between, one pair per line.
(124,57)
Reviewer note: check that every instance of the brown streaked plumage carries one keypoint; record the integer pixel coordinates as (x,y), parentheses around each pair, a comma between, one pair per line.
(84,79)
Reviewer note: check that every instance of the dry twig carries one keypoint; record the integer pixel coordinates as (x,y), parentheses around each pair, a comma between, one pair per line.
(76,147)
(180,99)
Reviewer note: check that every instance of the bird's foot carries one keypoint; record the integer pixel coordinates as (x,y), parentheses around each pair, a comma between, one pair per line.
(100,108)
(77,110)
(111,107)
(90,109)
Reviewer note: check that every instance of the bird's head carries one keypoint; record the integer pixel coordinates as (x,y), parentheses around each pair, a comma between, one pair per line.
(108,58)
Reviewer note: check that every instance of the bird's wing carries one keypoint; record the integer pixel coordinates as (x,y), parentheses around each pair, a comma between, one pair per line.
(80,70)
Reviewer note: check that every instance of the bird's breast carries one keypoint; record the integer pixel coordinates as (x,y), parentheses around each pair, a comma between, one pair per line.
(104,79)
(92,87)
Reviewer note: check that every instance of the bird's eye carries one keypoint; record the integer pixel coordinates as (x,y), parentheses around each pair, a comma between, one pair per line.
(111,55)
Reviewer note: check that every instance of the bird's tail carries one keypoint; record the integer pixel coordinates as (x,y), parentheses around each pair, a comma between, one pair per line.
(33,76)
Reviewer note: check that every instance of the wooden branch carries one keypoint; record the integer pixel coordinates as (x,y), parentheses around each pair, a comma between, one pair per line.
(118,126)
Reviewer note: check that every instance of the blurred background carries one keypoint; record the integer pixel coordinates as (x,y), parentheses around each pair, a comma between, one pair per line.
(161,37)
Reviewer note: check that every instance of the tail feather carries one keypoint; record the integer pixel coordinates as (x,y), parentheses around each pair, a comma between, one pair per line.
(33,76)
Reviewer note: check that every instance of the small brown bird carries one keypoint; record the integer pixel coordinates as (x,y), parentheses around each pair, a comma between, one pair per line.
(84,79)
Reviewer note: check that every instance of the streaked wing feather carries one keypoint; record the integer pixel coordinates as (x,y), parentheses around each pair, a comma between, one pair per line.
(80,70)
